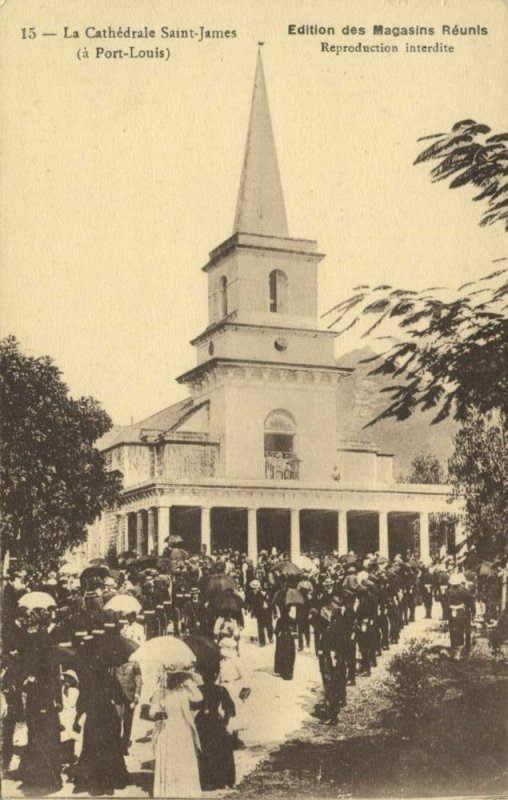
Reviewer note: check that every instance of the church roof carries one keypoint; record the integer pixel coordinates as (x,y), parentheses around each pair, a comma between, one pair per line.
(161,422)
(260,206)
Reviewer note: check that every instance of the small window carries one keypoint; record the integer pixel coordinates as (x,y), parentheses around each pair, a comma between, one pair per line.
(223,297)
(278,287)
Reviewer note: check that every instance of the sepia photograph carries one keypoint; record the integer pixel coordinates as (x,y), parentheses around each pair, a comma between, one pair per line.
(253,388)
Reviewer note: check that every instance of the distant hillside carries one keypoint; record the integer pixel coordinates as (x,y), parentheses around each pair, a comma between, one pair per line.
(359,400)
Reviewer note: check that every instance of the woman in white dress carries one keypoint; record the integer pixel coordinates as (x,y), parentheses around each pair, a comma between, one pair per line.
(227,635)
(68,716)
(175,738)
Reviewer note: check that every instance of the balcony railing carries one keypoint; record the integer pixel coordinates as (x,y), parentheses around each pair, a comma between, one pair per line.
(282,466)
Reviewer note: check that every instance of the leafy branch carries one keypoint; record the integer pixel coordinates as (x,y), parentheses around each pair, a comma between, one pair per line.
(468,155)
(450,353)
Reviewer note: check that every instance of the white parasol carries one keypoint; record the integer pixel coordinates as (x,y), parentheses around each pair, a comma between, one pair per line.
(304,562)
(159,654)
(166,651)
(36,600)
(124,603)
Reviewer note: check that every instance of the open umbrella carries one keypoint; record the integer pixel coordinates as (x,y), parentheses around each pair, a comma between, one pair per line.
(116,574)
(36,600)
(111,650)
(98,571)
(126,556)
(207,654)
(163,580)
(288,597)
(124,603)
(178,554)
(68,569)
(227,603)
(220,583)
(348,558)
(162,652)
(174,538)
(304,562)
(166,651)
(286,568)
(144,562)
(65,654)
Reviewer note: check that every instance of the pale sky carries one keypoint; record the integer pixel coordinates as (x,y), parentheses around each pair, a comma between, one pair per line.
(119,176)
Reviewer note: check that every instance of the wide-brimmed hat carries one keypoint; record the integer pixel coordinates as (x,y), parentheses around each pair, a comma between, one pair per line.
(69,673)
(255,584)
(172,669)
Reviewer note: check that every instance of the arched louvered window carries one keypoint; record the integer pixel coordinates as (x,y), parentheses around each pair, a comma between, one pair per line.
(278,288)
(223,297)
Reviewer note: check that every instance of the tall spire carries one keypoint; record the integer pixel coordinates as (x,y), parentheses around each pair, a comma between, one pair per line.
(260,205)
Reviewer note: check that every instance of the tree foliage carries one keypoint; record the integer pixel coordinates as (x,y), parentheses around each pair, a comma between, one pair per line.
(470,156)
(412,686)
(54,481)
(478,471)
(450,353)
(425,468)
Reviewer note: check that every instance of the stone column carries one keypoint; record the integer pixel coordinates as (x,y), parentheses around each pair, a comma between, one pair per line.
(125,531)
(120,536)
(128,526)
(163,527)
(295,533)
(252,534)
(140,524)
(424,537)
(383,534)
(460,534)
(103,539)
(152,523)
(206,533)
(342,532)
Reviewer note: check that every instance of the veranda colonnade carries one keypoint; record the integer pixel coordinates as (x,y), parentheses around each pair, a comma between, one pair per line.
(146,529)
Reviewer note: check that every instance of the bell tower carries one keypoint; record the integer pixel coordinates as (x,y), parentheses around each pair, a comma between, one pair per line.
(262,350)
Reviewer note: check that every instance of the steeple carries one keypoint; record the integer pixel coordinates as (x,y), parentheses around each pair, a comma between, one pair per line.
(260,205)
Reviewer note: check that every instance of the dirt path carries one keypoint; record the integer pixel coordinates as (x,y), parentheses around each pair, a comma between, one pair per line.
(462,751)
(288,754)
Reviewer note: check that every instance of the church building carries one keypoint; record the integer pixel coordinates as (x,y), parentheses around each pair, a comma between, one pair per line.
(252,458)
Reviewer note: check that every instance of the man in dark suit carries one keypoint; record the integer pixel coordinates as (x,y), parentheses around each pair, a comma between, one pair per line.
(259,607)
(461,609)
(129,678)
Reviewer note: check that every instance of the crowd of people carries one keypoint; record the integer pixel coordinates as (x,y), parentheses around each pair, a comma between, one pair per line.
(75,651)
